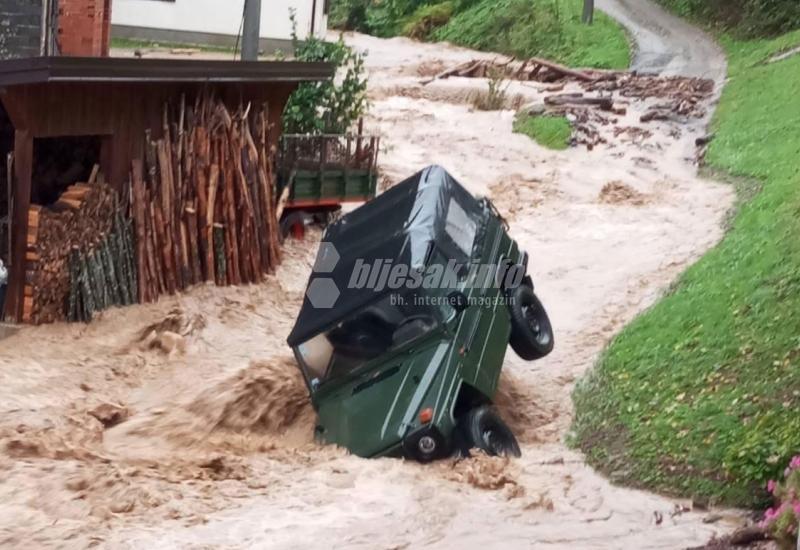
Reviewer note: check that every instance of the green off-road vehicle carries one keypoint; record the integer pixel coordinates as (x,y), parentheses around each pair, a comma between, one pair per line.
(408,313)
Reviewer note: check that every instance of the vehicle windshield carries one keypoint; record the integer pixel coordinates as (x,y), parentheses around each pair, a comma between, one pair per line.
(381,327)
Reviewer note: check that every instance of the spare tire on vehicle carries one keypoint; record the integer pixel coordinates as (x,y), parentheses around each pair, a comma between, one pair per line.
(531,331)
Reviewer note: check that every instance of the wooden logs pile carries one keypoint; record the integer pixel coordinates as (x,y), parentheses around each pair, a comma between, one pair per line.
(104,276)
(202,199)
(79,219)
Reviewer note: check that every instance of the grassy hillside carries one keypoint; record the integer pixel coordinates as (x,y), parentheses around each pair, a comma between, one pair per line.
(700,395)
(743,17)
(545,28)
(525,28)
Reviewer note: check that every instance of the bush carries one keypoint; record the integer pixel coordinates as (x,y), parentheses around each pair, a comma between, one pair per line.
(427,19)
(376,17)
(494,98)
(349,15)
(327,106)
(782,520)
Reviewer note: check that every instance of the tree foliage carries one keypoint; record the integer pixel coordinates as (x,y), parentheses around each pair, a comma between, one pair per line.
(746,17)
(330,107)
(381,17)
(548,28)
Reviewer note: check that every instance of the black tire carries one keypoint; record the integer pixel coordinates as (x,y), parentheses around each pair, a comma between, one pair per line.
(531,331)
(483,429)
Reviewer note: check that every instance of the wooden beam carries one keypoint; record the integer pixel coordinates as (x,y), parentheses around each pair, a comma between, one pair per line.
(23,167)
(14,102)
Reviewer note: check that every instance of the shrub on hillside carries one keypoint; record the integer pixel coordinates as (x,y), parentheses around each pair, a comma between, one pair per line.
(427,19)
(349,15)
(377,17)
(326,106)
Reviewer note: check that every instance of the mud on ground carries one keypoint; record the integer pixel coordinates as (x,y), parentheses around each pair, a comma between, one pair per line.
(185,423)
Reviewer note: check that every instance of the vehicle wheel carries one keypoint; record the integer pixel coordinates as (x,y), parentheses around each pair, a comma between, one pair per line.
(486,431)
(531,332)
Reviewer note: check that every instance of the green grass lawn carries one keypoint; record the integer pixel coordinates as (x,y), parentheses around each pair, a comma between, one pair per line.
(546,28)
(700,396)
(552,132)
(134,44)
(523,28)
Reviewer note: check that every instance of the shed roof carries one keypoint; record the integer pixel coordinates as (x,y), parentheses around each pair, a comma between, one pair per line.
(34,70)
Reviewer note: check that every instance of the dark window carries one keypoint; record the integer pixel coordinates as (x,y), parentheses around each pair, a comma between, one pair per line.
(61,162)
(6,147)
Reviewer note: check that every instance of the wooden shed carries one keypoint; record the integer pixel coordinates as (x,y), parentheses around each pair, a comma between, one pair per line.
(112,102)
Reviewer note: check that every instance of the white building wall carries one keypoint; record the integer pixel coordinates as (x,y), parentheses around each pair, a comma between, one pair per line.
(220,17)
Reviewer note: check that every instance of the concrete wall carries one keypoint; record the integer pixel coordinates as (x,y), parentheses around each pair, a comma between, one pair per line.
(213,21)
(20,28)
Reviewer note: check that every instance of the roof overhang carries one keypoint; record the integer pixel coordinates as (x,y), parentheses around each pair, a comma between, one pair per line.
(35,70)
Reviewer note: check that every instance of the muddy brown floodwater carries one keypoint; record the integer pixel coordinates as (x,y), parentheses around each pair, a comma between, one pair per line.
(184,424)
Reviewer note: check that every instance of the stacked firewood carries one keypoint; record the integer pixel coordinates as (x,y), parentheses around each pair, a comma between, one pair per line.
(80,219)
(104,276)
(202,201)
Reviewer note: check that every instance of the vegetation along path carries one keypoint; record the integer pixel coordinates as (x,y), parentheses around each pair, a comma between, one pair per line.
(700,395)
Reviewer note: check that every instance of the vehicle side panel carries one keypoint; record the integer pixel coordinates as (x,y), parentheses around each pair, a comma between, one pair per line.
(486,324)
(376,410)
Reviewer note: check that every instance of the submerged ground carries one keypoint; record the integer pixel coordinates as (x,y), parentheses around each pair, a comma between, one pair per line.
(216,449)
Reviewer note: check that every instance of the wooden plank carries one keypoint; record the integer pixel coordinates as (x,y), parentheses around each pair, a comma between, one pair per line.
(23,165)
(139,221)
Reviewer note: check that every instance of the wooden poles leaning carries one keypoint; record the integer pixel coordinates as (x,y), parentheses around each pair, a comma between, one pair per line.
(202,199)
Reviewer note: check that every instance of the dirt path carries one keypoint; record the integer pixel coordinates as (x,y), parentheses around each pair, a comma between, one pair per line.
(666,44)
(217,448)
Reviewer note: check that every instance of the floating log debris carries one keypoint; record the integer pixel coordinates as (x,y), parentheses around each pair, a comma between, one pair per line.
(684,97)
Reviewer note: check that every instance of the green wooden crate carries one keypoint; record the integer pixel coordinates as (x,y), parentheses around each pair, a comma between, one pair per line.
(328,185)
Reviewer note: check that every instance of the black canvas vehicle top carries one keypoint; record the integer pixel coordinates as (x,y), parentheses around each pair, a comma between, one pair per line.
(398,226)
